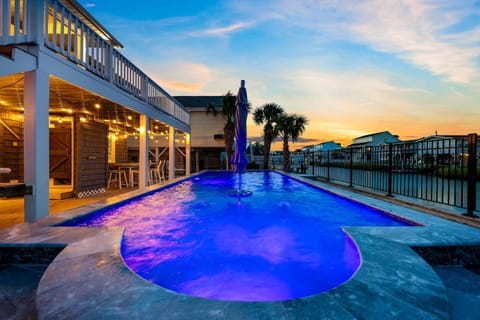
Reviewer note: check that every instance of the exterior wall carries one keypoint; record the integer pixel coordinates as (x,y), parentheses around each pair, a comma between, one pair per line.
(207,140)
(91,162)
(362,139)
(11,150)
(204,126)
(121,150)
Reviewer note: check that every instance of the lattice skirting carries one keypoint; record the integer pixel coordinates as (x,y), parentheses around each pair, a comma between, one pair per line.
(90,193)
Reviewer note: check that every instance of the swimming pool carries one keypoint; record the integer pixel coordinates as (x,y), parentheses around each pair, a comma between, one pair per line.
(283,242)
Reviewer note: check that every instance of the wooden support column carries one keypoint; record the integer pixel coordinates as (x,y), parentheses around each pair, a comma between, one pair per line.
(197,161)
(171,153)
(187,155)
(143,150)
(36,144)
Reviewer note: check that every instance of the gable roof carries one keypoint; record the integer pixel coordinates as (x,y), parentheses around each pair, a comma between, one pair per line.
(93,23)
(373,134)
(201,102)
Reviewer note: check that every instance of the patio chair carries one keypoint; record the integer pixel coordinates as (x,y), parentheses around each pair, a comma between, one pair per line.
(118,175)
(157,173)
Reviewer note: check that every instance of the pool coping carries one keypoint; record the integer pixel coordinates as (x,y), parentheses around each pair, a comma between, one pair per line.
(88,279)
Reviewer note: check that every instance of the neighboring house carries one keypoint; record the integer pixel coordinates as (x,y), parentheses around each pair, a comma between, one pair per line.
(321,150)
(206,123)
(324,146)
(441,150)
(362,146)
(374,139)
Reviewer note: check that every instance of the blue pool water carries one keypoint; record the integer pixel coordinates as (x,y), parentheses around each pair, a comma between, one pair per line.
(283,242)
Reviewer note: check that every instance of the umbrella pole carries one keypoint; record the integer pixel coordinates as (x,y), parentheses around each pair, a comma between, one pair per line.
(239,185)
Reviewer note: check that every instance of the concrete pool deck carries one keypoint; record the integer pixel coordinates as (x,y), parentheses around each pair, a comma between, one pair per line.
(88,278)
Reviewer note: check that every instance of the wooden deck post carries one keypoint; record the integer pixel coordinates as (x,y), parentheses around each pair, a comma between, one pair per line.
(36,144)
(171,153)
(143,150)
(187,155)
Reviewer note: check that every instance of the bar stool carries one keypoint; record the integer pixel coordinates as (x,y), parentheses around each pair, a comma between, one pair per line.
(119,175)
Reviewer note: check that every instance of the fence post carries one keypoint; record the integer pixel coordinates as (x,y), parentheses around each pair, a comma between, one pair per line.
(472,175)
(328,165)
(351,167)
(312,161)
(390,169)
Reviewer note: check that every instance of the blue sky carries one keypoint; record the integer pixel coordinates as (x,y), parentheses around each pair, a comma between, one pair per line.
(351,67)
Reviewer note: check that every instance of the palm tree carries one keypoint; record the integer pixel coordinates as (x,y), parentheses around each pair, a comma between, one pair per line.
(267,114)
(290,126)
(228,111)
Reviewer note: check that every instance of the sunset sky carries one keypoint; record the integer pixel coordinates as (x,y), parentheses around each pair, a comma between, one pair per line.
(351,67)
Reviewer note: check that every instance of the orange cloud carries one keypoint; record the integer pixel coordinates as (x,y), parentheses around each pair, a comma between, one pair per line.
(184,86)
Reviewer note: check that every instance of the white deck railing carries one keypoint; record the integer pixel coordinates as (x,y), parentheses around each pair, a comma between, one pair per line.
(13,21)
(68,35)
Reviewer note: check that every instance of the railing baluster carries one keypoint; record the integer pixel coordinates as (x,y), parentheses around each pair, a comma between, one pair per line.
(62,33)
(54,26)
(16,19)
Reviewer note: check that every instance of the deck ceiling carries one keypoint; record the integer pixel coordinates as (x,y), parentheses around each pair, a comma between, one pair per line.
(67,99)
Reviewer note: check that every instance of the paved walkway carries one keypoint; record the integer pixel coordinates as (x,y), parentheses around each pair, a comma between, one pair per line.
(89,280)
(463,291)
(11,209)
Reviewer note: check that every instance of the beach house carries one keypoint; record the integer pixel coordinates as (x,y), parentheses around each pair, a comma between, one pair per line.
(69,103)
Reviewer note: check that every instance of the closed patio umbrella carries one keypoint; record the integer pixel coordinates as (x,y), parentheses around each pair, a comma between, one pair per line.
(239,158)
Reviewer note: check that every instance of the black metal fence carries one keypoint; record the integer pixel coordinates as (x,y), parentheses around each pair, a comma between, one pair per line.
(443,170)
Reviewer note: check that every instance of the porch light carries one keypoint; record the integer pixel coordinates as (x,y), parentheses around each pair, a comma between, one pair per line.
(129,117)
(83,119)
(97,105)
(69,110)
